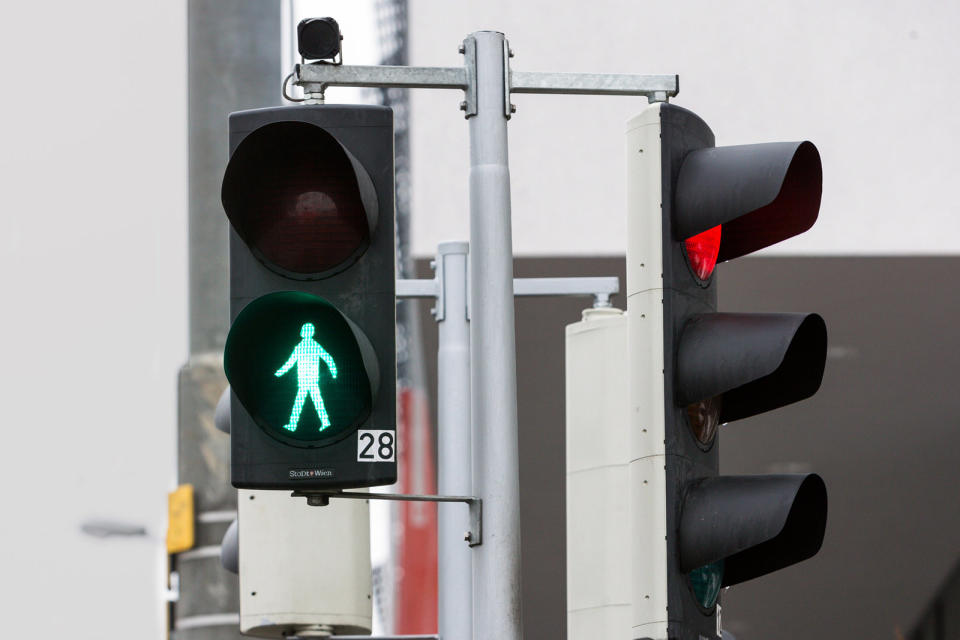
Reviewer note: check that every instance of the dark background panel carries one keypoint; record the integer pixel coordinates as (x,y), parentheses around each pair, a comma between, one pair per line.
(882,431)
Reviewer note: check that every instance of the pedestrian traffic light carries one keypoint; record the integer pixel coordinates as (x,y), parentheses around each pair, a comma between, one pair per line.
(692,369)
(311,353)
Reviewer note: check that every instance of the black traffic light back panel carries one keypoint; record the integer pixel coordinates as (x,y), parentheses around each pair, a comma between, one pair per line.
(684,297)
(364,292)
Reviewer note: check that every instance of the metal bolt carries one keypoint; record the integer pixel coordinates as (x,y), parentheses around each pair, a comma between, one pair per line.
(510,52)
(461,49)
(468,536)
(513,108)
(463,105)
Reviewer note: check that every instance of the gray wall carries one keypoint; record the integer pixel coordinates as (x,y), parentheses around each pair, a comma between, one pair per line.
(941,621)
(881,431)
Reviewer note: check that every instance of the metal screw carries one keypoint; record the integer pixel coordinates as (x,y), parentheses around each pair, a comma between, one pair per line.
(468,536)
(461,49)
(510,52)
(513,108)
(463,105)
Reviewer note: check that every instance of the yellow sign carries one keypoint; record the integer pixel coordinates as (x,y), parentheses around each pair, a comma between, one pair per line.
(180,520)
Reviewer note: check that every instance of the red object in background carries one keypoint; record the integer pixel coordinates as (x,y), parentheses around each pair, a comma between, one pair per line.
(702,251)
(416,524)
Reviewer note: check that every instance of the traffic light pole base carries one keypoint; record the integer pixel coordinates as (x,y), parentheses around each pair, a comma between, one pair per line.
(473,537)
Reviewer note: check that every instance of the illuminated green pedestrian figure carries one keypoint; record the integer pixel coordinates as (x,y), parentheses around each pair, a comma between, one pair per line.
(307,356)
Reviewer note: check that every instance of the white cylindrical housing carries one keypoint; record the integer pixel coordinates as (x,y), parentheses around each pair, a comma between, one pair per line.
(303,567)
(598,474)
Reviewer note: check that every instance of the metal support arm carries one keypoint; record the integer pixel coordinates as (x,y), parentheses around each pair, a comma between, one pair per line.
(315,78)
(474,537)
(601,288)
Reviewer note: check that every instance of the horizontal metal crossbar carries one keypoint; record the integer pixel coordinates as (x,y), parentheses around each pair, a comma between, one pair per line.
(418,288)
(329,75)
(602,84)
(473,537)
(317,77)
(566,286)
(601,288)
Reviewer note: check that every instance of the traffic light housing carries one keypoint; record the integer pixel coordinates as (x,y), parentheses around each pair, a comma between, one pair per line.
(692,369)
(311,353)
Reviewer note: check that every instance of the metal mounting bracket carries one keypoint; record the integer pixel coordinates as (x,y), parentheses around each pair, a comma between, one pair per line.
(508,107)
(469,51)
(474,537)
(440,308)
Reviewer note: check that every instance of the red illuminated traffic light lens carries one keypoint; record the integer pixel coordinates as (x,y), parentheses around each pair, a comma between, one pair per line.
(299,201)
(702,251)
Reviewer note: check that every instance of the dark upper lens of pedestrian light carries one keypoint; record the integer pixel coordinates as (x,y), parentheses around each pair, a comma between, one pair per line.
(296,197)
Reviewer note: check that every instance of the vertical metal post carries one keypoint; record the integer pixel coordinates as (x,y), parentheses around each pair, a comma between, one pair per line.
(496,562)
(453,438)
(233,54)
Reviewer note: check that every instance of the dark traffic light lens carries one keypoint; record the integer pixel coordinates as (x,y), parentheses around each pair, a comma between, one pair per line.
(704,417)
(299,201)
(705,582)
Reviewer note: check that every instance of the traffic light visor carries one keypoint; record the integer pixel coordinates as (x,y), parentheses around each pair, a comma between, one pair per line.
(762,194)
(755,524)
(299,200)
(756,362)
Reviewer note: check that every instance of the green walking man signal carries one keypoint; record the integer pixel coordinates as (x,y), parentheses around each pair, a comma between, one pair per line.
(307,356)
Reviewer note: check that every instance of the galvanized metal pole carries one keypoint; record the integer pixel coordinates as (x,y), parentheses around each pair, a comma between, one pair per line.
(453,442)
(496,562)
(233,60)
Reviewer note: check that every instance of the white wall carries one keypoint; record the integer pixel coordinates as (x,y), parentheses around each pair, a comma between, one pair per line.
(93,252)
(93,257)
(870,83)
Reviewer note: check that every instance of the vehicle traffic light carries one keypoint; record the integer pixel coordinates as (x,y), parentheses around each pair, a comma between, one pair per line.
(311,353)
(692,369)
